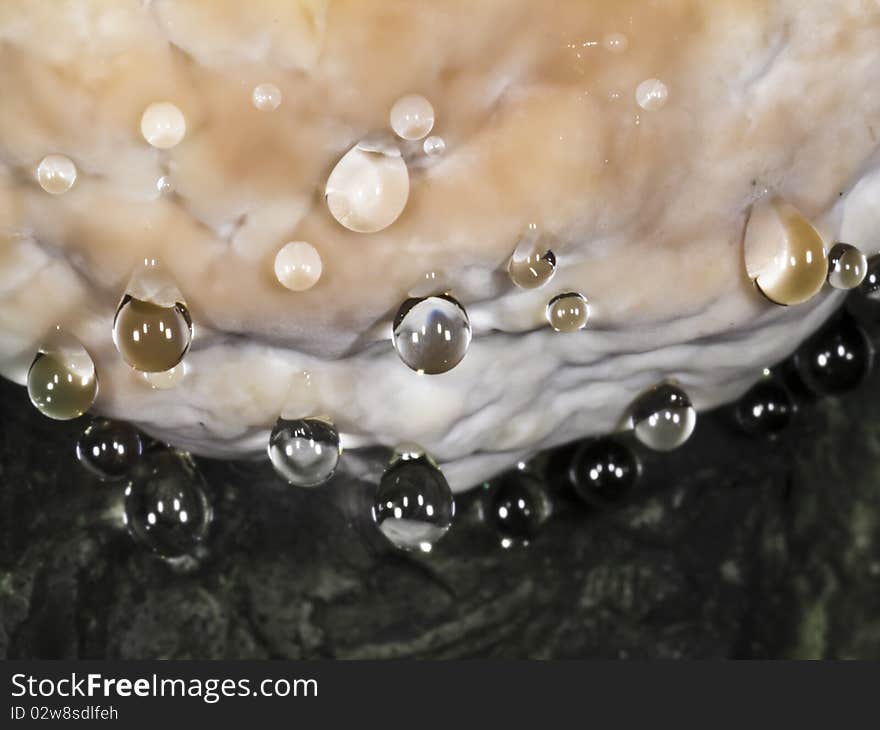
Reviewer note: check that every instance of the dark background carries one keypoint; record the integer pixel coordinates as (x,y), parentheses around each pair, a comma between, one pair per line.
(733,546)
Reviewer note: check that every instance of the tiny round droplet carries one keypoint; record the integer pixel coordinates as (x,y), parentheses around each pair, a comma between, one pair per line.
(766,409)
(568,312)
(266,97)
(305,452)
(616,42)
(847,266)
(603,471)
(61,381)
(652,94)
(298,266)
(166,504)
(151,337)
(837,359)
(434,146)
(165,185)
(56,174)
(368,188)
(109,449)
(163,125)
(413,504)
(533,263)
(412,117)
(431,334)
(663,418)
(517,507)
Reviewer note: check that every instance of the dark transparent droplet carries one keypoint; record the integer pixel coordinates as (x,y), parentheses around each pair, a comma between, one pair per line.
(603,471)
(166,504)
(109,449)
(870,286)
(304,451)
(413,505)
(663,418)
(766,410)
(517,507)
(837,359)
(431,334)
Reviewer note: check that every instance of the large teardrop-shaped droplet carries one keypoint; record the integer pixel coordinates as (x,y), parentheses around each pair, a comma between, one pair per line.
(304,451)
(152,329)
(533,262)
(413,505)
(109,449)
(61,382)
(663,418)
(431,334)
(166,504)
(368,189)
(784,254)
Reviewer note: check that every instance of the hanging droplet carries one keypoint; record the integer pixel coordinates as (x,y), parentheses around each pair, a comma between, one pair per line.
(109,449)
(784,253)
(837,359)
(61,382)
(568,312)
(163,125)
(663,418)
(56,174)
(412,117)
(431,334)
(152,329)
(305,451)
(847,266)
(517,507)
(413,505)
(368,189)
(434,146)
(266,97)
(766,409)
(603,471)
(533,263)
(652,94)
(870,288)
(166,504)
(298,266)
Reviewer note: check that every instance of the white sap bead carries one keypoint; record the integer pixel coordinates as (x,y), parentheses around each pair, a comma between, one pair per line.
(412,117)
(298,266)
(163,125)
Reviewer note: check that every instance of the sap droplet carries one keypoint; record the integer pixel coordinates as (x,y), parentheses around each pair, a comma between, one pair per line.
(152,329)
(56,174)
(784,253)
(163,125)
(61,381)
(412,117)
(652,94)
(847,266)
(413,505)
(533,262)
(298,266)
(603,471)
(663,418)
(166,504)
(434,146)
(615,42)
(837,359)
(305,452)
(165,185)
(109,449)
(432,334)
(766,409)
(517,507)
(266,97)
(368,189)
(568,312)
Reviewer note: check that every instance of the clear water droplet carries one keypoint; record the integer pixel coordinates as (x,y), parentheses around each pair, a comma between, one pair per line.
(412,117)
(517,507)
(603,471)
(434,146)
(431,334)
(109,449)
(152,329)
(298,266)
(413,506)
(568,312)
(266,97)
(305,452)
(837,359)
(533,262)
(368,189)
(652,94)
(766,409)
(663,418)
(164,185)
(166,504)
(56,174)
(61,381)
(163,125)
(847,266)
